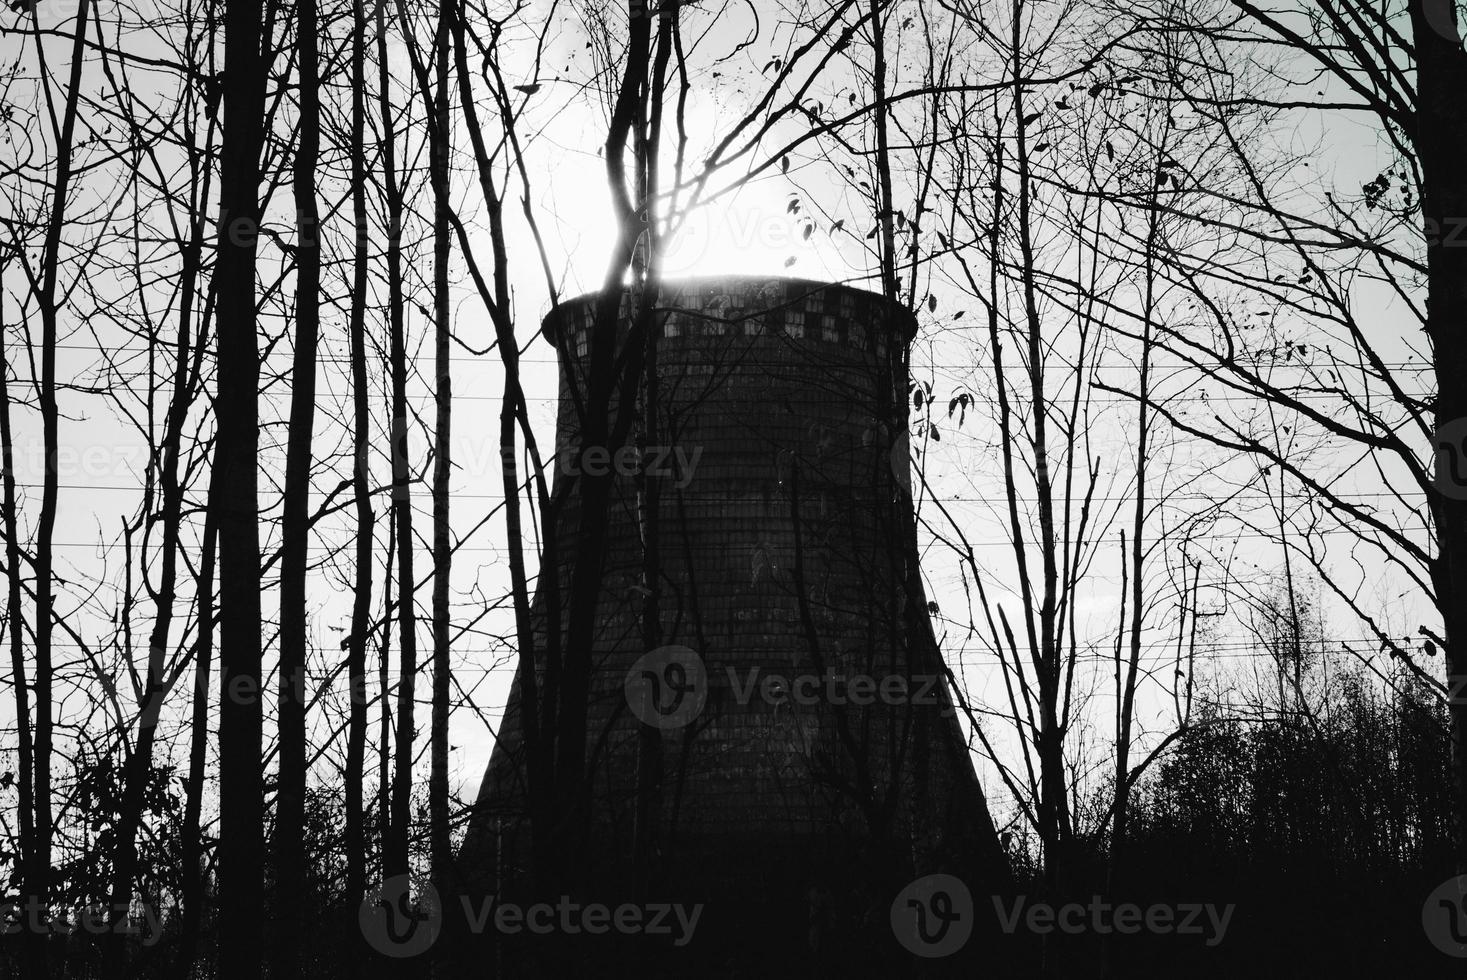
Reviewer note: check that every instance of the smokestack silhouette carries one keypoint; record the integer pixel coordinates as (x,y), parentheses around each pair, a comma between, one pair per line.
(770,729)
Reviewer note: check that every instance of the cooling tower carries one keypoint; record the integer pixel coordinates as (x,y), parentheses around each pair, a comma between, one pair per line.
(789,754)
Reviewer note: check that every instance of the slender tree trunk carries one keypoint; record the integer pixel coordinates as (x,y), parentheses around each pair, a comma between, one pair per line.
(1127,682)
(905,627)
(886,218)
(384,733)
(395,851)
(289,853)
(1054,800)
(198,758)
(138,769)
(440,840)
(15,619)
(646,268)
(241,786)
(356,737)
(1440,139)
(599,430)
(38,869)
(535,726)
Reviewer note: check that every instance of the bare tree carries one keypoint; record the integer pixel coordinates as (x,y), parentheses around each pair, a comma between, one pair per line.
(356,642)
(15,623)
(1320,357)
(241,790)
(395,859)
(172,461)
(289,854)
(439,142)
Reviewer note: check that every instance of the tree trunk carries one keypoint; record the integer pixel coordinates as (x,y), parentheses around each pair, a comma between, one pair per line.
(1054,800)
(241,789)
(440,839)
(1126,684)
(198,758)
(598,430)
(534,725)
(384,686)
(289,851)
(15,619)
(1440,139)
(356,738)
(395,847)
(37,873)
(890,285)
(139,765)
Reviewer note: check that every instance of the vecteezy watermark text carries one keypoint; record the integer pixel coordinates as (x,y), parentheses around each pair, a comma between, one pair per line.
(835,687)
(95,920)
(1124,918)
(659,461)
(934,917)
(593,918)
(668,687)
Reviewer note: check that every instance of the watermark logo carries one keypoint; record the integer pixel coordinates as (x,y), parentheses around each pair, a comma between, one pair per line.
(933,916)
(1450,446)
(402,917)
(667,687)
(1440,17)
(1444,917)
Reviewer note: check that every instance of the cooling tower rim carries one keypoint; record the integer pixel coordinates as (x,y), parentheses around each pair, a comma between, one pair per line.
(903,316)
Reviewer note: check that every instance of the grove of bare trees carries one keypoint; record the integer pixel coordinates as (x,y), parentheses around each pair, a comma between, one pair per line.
(1185,425)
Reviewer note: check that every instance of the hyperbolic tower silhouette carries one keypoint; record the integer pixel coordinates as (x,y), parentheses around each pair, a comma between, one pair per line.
(790,753)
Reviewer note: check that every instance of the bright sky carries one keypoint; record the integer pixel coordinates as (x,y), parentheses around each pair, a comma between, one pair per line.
(752,231)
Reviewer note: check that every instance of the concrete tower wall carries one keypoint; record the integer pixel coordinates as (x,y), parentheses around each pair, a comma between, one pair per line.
(780,397)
